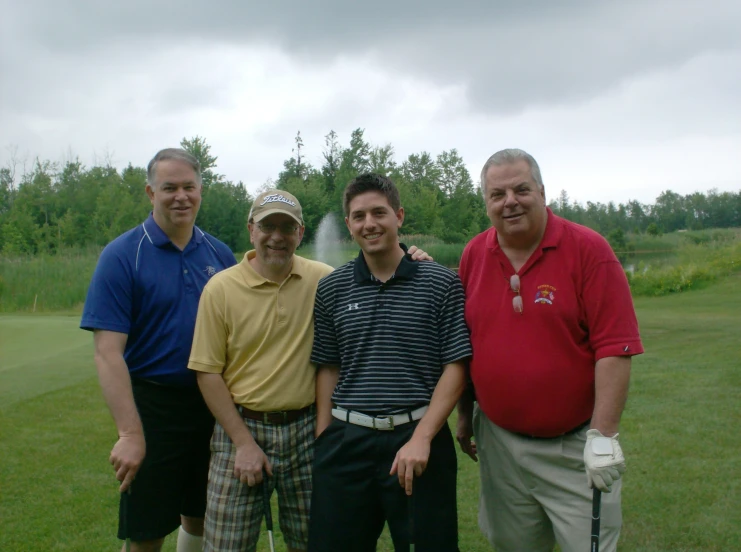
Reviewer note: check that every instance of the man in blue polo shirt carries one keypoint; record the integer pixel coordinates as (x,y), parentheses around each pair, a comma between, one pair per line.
(141,306)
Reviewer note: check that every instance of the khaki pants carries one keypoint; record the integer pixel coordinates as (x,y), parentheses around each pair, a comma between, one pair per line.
(534,493)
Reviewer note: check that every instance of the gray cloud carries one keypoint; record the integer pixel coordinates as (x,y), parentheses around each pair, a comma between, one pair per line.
(622,82)
(510,56)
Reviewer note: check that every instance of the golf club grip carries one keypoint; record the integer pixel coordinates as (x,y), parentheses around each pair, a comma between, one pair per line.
(410,505)
(125,518)
(596,507)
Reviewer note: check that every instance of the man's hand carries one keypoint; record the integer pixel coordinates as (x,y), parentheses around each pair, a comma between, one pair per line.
(464,435)
(249,462)
(411,460)
(419,255)
(603,459)
(126,457)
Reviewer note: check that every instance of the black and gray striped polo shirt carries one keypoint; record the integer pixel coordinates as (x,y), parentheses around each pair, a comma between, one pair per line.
(390,339)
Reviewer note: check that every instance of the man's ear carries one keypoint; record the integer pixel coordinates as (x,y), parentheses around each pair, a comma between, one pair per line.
(399,217)
(347,223)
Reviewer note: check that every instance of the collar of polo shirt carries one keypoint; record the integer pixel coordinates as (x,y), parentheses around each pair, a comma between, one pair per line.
(406,270)
(253,279)
(551,236)
(158,237)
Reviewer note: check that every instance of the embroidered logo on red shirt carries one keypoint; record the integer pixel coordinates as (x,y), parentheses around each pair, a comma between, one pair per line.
(545,294)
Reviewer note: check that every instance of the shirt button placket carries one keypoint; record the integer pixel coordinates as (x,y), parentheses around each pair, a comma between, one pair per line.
(186,275)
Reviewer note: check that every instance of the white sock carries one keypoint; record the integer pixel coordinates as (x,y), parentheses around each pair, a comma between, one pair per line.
(188,542)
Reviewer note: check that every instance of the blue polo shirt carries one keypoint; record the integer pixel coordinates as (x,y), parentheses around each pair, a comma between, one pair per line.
(147,288)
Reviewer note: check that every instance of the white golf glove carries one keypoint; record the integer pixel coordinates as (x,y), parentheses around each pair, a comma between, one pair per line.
(603,459)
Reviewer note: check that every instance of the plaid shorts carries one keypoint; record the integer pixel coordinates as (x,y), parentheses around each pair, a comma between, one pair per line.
(234,510)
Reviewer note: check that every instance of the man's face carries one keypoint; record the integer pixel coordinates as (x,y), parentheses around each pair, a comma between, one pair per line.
(175,195)
(515,204)
(373,223)
(275,238)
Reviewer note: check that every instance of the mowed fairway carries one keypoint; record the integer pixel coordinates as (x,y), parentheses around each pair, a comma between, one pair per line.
(680,434)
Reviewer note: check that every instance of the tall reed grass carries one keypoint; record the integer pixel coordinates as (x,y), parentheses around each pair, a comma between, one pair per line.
(46,283)
(52,283)
(696,266)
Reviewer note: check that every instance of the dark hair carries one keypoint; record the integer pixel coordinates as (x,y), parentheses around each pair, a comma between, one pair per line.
(371,182)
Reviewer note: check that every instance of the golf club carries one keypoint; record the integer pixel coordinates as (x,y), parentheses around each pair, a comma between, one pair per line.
(411,521)
(268,512)
(596,506)
(125,518)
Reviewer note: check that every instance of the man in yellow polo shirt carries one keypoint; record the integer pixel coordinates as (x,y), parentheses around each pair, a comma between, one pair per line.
(251,348)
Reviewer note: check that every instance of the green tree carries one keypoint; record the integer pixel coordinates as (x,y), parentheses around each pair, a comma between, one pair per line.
(381,160)
(201,150)
(313,199)
(224,211)
(332,155)
(19,233)
(653,229)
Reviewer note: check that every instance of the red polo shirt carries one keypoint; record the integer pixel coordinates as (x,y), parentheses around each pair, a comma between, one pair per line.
(534,372)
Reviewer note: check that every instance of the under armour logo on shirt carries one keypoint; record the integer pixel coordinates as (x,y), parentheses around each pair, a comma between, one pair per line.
(353,306)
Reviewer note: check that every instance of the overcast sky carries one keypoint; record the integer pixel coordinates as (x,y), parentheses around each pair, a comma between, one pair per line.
(616,100)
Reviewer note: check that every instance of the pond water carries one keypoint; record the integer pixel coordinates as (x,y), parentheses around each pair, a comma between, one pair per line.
(646,258)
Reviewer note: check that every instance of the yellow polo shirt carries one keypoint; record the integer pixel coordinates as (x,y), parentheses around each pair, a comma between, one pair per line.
(258,334)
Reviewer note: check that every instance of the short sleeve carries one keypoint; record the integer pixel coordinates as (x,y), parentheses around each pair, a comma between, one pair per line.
(325,349)
(453,335)
(611,318)
(208,353)
(109,301)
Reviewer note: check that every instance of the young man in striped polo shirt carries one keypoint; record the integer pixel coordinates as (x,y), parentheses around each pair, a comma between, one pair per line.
(390,345)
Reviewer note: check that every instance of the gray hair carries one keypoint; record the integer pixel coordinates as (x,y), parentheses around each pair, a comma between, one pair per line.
(507,156)
(173,154)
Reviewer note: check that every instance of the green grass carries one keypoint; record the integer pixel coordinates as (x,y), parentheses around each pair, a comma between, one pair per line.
(677,261)
(672,241)
(682,490)
(693,267)
(46,283)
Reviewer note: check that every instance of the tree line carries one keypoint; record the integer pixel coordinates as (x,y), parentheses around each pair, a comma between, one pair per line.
(52,206)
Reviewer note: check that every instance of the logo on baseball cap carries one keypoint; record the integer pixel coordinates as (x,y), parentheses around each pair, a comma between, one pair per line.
(276,201)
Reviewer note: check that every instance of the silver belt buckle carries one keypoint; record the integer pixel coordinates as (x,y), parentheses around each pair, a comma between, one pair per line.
(388,419)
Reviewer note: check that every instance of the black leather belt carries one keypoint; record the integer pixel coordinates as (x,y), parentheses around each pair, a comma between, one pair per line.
(276,417)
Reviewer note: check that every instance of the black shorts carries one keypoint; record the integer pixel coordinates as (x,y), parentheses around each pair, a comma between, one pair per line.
(353,493)
(173,478)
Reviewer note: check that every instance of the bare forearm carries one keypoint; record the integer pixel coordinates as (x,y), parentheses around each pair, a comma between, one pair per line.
(115,383)
(612,379)
(465,403)
(447,393)
(220,402)
(326,381)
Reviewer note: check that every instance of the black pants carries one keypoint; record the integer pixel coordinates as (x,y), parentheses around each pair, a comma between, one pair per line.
(354,494)
(172,479)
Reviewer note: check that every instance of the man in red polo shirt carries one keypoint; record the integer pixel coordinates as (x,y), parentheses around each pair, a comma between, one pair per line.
(553,331)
